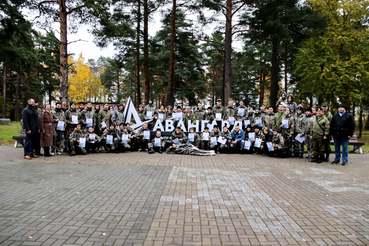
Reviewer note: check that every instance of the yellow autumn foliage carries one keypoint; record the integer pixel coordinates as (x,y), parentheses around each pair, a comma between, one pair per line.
(84,85)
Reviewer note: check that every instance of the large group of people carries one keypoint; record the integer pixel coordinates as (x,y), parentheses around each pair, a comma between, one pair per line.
(248,130)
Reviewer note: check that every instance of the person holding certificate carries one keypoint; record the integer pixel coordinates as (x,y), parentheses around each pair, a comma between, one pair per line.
(205,138)
(179,135)
(241,111)
(249,136)
(219,112)
(143,137)
(298,147)
(189,116)
(257,145)
(72,118)
(93,141)
(149,112)
(287,130)
(74,141)
(215,133)
(238,136)
(278,145)
(157,143)
(104,118)
(225,141)
(59,119)
(111,140)
(269,118)
(230,114)
(209,116)
(194,138)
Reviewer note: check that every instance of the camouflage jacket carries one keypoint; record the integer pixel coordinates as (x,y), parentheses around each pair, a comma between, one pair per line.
(104,116)
(291,125)
(111,132)
(68,117)
(117,118)
(268,121)
(299,124)
(278,141)
(141,130)
(209,117)
(320,127)
(227,135)
(329,116)
(168,116)
(77,134)
(181,135)
(200,114)
(258,116)
(260,135)
(59,114)
(221,110)
(98,139)
(160,112)
(184,149)
(251,118)
(141,115)
(89,114)
(215,134)
(308,124)
(191,117)
(277,121)
(245,112)
(292,106)
(196,138)
(150,107)
(230,112)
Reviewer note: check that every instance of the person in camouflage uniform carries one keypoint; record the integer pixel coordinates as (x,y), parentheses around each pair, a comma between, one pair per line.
(209,116)
(188,149)
(258,134)
(58,141)
(278,144)
(258,116)
(226,134)
(277,121)
(196,138)
(178,133)
(72,111)
(319,133)
(142,143)
(269,118)
(204,142)
(161,115)
(230,112)
(93,141)
(141,112)
(246,138)
(263,110)
(309,118)
(288,132)
(291,105)
(74,140)
(215,133)
(117,117)
(219,109)
(299,130)
(241,112)
(150,107)
(250,117)
(266,137)
(157,147)
(104,116)
(200,113)
(121,130)
(88,113)
(112,147)
(189,116)
(327,143)
(132,137)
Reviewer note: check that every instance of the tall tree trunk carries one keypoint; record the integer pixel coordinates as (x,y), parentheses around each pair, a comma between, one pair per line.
(262,90)
(137,75)
(4,91)
(274,75)
(63,51)
(285,68)
(16,109)
(146,50)
(228,54)
(170,89)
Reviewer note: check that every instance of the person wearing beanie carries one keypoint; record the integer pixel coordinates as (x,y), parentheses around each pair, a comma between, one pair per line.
(111,145)
(342,128)
(258,116)
(309,118)
(149,113)
(319,133)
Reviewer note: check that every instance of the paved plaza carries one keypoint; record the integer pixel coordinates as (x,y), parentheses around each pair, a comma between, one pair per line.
(140,199)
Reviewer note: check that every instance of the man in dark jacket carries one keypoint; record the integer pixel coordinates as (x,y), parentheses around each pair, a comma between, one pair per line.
(341,130)
(32,126)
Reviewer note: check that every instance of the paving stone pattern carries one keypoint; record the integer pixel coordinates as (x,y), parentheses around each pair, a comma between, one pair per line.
(141,199)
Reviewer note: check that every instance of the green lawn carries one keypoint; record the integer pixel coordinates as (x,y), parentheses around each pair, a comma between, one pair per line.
(6,132)
(364,138)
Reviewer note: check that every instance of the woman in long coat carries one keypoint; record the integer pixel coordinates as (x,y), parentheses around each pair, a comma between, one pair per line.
(48,130)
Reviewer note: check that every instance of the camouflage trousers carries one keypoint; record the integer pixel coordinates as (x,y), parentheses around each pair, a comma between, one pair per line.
(112,146)
(74,146)
(162,145)
(318,145)
(58,141)
(298,147)
(309,146)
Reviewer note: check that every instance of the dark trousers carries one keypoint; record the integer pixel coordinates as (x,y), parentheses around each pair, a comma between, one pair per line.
(29,144)
(37,145)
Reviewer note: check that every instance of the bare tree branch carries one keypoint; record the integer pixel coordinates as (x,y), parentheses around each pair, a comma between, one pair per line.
(77,41)
(50,33)
(76,8)
(240,31)
(210,41)
(238,8)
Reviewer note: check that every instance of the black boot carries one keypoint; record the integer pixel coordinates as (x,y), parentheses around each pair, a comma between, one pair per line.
(47,152)
(301,155)
(320,158)
(314,159)
(151,151)
(160,151)
(326,159)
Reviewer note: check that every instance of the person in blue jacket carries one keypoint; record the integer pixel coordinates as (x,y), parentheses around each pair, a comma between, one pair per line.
(238,137)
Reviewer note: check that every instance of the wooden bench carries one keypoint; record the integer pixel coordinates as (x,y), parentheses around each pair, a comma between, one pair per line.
(20,139)
(354,143)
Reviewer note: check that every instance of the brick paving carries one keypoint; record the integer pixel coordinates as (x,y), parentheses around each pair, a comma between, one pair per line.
(141,199)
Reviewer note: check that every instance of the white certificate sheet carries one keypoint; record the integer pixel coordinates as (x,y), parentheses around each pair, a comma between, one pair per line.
(205,136)
(210,126)
(247,145)
(124,138)
(157,142)
(103,124)
(285,123)
(60,125)
(82,142)
(300,139)
(247,122)
(74,119)
(218,116)
(89,122)
(109,139)
(259,122)
(257,143)
(146,135)
(161,117)
(149,114)
(222,141)
(91,136)
(241,111)
(176,141)
(270,146)
(191,137)
(231,121)
(252,136)
(213,140)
